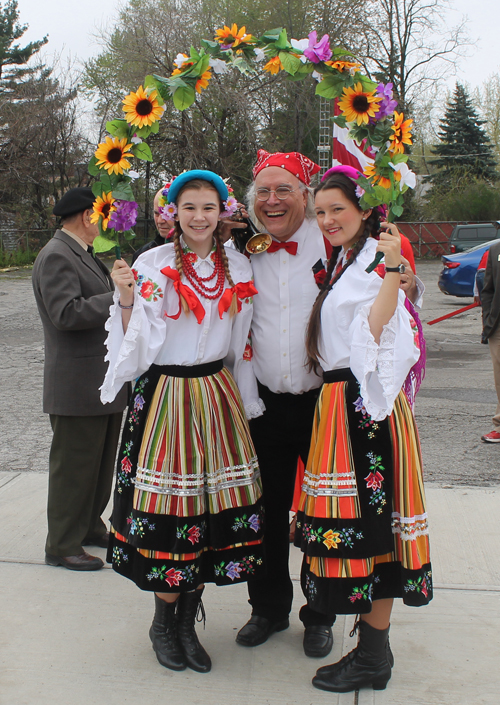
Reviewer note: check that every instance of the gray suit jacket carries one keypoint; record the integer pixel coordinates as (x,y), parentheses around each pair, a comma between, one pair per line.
(73,296)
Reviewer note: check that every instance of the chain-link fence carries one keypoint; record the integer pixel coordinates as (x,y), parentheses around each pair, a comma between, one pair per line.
(14,240)
(427,239)
(431,239)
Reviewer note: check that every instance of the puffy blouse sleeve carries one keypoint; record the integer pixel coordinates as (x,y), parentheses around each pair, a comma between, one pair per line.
(132,353)
(239,356)
(382,369)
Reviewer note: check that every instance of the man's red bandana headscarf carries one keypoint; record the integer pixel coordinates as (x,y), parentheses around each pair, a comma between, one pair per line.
(294,162)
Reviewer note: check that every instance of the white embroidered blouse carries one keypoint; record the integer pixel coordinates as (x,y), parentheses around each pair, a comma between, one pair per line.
(155,336)
(346,339)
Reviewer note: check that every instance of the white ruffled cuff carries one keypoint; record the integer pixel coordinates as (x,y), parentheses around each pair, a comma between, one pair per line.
(119,346)
(254,409)
(375,369)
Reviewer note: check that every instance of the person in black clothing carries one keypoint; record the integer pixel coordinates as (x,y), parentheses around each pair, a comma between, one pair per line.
(163,226)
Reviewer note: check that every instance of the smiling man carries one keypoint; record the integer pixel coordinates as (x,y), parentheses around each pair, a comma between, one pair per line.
(280,200)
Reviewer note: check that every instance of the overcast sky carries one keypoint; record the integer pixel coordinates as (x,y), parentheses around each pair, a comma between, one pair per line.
(71,23)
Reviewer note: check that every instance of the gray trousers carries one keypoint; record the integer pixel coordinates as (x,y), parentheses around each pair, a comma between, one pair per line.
(81,467)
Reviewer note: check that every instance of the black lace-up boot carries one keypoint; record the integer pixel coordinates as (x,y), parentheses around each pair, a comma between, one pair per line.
(164,637)
(190,605)
(368,665)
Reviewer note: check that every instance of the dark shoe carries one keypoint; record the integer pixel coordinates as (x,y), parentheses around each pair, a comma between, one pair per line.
(318,641)
(84,561)
(258,630)
(163,636)
(368,665)
(196,656)
(102,541)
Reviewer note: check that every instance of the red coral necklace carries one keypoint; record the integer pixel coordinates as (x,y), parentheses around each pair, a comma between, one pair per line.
(198,282)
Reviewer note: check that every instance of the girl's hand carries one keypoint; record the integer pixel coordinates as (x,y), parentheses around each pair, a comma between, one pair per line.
(228,224)
(390,244)
(124,281)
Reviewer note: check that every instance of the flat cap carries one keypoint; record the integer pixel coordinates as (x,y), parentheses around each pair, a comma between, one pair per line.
(74,201)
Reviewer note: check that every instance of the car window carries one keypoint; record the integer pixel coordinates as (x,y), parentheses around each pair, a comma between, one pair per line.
(487,233)
(467,234)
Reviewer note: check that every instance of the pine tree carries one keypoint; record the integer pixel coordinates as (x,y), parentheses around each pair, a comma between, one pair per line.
(465,149)
(12,56)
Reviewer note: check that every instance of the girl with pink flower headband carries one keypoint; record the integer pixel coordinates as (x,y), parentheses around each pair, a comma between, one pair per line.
(361,520)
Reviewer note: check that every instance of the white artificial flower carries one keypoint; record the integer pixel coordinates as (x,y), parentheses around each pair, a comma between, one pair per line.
(408,177)
(133,174)
(136,140)
(180,59)
(300,44)
(218,65)
(317,76)
(259,54)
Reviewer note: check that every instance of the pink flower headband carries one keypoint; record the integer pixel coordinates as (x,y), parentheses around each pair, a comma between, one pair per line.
(354,175)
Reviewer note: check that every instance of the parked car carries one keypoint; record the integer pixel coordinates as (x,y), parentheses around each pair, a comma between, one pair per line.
(479,279)
(465,237)
(459,270)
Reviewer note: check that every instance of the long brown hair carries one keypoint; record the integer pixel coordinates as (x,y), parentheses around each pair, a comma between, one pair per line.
(372,227)
(198,184)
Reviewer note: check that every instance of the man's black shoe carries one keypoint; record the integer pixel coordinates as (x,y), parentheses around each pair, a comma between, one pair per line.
(258,630)
(84,561)
(102,541)
(318,641)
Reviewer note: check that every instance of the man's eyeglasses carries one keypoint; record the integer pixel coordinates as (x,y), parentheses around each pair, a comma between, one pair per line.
(281,192)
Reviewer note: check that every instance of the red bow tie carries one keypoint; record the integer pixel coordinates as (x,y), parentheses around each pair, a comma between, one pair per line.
(290,247)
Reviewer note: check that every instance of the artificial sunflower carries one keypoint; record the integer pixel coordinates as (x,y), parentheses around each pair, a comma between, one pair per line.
(343,65)
(203,80)
(358,105)
(103,208)
(274,65)
(370,172)
(112,155)
(402,134)
(232,36)
(141,108)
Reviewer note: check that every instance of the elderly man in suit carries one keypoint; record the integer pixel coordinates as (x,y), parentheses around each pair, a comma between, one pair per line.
(73,292)
(490,302)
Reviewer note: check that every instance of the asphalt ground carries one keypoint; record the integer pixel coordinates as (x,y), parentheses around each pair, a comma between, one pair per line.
(453,409)
(74,638)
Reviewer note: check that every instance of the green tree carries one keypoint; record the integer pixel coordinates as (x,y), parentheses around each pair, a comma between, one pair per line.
(465,148)
(42,152)
(12,56)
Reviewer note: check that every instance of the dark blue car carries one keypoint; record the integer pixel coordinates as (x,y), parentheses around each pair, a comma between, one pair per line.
(459,271)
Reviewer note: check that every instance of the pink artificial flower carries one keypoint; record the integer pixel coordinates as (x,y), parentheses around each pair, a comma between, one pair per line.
(318,51)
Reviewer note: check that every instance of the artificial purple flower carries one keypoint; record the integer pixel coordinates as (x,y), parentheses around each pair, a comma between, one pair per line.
(233,570)
(388,105)
(125,216)
(318,51)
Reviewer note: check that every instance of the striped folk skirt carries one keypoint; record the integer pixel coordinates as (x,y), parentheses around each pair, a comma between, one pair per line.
(361,521)
(187,503)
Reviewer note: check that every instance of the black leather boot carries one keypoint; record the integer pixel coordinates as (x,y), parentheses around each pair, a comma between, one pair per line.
(164,638)
(194,653)
(369,664)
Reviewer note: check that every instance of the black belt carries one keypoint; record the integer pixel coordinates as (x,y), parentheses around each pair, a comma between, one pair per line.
(342,375)
(205,370)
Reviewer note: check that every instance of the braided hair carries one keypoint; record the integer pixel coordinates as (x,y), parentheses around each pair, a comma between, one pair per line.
(371,229)
(198,184)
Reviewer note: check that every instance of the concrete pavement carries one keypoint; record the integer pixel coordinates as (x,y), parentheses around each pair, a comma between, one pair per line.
(77,638)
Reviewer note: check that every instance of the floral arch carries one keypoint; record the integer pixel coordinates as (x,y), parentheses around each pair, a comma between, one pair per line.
(368,112)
